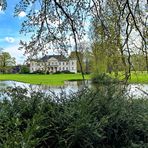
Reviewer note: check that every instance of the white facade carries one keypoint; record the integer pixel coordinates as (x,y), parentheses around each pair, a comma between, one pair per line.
(53,64)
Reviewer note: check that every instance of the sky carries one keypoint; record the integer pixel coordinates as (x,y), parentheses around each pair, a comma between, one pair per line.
(9,31)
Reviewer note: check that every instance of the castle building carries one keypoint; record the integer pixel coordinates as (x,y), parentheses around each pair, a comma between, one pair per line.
(53,63)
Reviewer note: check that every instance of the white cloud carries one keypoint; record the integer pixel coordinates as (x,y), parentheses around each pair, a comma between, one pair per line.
(22,14)
(17,54)
(1,11)
(9,39)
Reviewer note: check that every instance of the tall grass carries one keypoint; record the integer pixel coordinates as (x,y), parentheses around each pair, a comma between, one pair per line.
(87,119)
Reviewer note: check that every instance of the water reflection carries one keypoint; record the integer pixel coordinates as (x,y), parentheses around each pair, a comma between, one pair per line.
(137,90)
(68,87)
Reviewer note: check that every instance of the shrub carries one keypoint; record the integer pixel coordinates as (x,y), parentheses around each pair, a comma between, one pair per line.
(103,78)
(65,72)
(38,72)
(86,119)
(24,69)
(58,72)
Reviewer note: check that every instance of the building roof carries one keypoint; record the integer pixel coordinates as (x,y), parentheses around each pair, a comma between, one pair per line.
(58,57)
(47,57)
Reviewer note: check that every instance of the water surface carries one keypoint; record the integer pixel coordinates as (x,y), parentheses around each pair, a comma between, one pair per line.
(137,90)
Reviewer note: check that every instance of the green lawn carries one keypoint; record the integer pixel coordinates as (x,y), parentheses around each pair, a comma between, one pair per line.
(136,77)
(58,79)
(139,77)
(53,79)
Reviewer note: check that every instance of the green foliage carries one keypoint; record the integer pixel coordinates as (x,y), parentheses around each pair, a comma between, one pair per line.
(87,119)
(103,78)
(24,69)
(80,57)
(39,72)
(64,72)
(138,62)
(6,61)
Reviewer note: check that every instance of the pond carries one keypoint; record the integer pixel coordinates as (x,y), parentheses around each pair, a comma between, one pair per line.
(73,86)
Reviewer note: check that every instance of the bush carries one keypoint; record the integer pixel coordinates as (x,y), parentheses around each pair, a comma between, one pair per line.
(103,79)
(24,69)
(65,72)
(38,72)
(58,72)
(87,119)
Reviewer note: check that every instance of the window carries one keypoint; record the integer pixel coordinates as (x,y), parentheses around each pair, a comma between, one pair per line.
(59,68)
(72,63)
(66,68)
(72,68)
(63,63)
(63,68)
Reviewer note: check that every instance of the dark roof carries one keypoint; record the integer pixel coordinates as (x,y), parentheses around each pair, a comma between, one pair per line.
(47,57)
(58,57)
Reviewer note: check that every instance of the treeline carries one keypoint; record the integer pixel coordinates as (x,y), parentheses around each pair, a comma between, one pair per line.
(94,62)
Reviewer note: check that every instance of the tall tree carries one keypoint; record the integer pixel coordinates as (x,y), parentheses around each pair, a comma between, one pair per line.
(6,61)
(80,64)
(105,48)
(56,22)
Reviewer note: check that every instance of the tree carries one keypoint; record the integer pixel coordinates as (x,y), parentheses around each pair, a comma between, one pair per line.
(24,69)
(80,63)
(105,49)
(56,22)
(138,62)
(6,61)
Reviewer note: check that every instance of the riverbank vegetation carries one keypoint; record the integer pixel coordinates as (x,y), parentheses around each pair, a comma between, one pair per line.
(87,119)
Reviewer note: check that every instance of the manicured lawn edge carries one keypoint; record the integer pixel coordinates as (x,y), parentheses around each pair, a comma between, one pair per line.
(58,79)
(53,80)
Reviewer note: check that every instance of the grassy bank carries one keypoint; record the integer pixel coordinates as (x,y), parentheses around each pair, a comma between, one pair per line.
(137,77)
(54,79)
(58,79)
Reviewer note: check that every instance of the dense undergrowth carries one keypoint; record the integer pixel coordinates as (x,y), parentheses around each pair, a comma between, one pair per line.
(87,119)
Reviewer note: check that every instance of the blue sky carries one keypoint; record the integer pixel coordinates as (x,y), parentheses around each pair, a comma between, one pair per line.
(9,31)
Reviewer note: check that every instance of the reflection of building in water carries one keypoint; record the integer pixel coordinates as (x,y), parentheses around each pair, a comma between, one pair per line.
(53,63)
